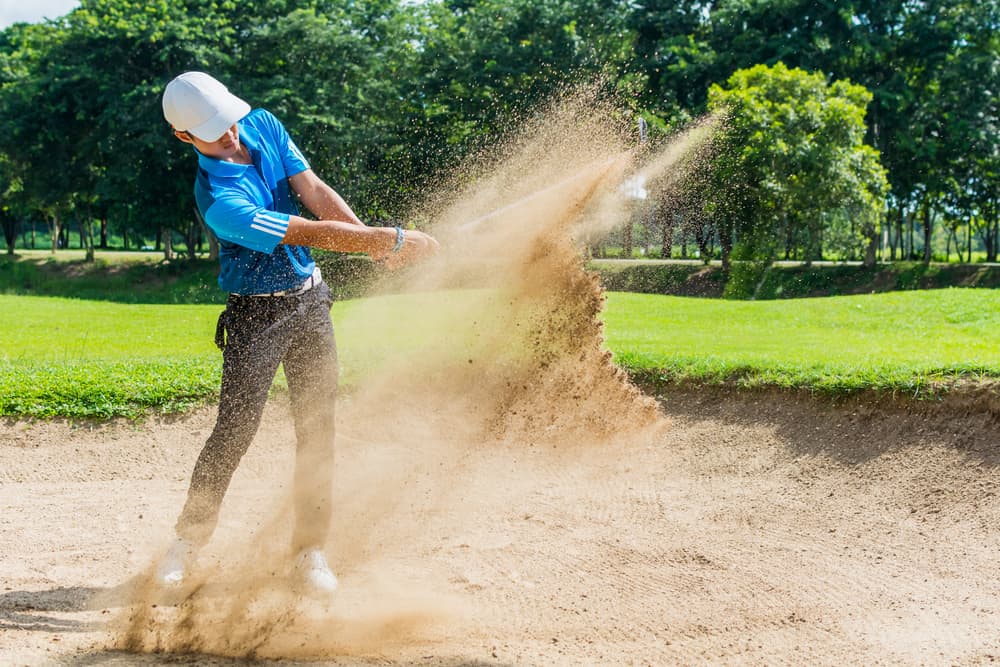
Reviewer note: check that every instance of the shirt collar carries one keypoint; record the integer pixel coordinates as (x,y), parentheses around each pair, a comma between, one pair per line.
(222,169)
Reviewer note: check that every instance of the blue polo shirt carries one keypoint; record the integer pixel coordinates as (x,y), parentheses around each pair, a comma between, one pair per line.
(248,207)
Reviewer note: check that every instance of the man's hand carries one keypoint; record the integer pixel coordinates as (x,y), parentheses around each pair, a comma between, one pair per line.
(416,246)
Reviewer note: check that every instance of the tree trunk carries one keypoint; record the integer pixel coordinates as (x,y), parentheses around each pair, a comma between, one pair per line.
(55,229)
(9,232)
(726,242)
(89,226)
(168,246)
(900,239)
(788,240)
(992,253)
(104,232)
(994,224)
(627,240)
(213,241)
(192,240)
(871,250)
(909,238)
(989,240)
(928,225)
(701,241)
(667,240)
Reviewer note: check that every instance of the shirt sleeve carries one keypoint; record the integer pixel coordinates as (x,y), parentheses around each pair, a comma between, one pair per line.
(239,221)
(292,159)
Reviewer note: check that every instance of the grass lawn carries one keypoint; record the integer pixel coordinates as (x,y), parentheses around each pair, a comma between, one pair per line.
(899,341)
(76,255)
(79,358)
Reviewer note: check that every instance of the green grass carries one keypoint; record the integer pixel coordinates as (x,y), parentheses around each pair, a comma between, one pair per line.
(913,342)
(81,358)
(123,277)
(78,255)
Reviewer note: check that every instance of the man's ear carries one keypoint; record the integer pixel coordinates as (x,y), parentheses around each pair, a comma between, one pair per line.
(183,136)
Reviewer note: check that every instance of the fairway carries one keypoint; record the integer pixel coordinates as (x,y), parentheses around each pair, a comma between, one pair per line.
(78,358)
(898,340)
(78,330)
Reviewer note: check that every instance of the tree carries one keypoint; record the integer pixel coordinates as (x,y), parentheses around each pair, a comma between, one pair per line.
(790,155)
(333,74)
(930,66)
(484,64)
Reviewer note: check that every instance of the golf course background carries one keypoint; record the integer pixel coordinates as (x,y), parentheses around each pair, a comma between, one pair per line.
(89,357)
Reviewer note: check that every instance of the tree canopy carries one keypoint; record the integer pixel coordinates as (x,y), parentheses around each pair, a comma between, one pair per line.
(790,165)
(384,95)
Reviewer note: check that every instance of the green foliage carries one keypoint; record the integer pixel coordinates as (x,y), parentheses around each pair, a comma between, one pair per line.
(333,72)
(931,67)
(387,96)
(790,156)
(745,279)
(659,278)
(781,281)
(141,278)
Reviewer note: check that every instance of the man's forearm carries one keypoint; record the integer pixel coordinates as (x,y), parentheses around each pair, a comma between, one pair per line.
(340,236)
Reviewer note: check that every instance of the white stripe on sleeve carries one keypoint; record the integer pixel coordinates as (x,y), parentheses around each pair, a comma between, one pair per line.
(276,224)
(268,231)
(267,216)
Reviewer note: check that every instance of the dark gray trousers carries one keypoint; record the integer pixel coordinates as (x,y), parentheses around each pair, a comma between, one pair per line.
(259,333)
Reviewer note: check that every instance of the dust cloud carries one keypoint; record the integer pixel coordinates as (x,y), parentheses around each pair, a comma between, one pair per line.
(494,345)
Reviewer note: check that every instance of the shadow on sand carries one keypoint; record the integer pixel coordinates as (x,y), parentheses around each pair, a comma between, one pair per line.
(852,430)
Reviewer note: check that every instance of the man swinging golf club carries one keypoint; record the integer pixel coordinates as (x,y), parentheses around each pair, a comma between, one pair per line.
(278,310)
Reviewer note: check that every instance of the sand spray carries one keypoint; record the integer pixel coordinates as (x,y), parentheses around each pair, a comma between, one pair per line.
(511,360)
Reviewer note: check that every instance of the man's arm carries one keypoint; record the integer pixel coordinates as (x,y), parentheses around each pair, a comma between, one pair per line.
(341,236)
(338,229)
(322,200)
(381,243)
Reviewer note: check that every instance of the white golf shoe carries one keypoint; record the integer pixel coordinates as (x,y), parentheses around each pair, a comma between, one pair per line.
(313,576)
(176,563)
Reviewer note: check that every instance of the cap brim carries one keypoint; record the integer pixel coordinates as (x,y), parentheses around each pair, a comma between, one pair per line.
(217,126)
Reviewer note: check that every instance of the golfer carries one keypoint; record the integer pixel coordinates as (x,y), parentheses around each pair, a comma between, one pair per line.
(278,311)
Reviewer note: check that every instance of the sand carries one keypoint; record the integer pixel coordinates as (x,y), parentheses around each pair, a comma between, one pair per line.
(758,529)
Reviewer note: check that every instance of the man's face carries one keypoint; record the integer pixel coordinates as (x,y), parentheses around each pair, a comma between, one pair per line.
(224,148)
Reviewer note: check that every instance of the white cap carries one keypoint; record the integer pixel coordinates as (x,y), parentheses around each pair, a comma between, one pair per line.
(197,103)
